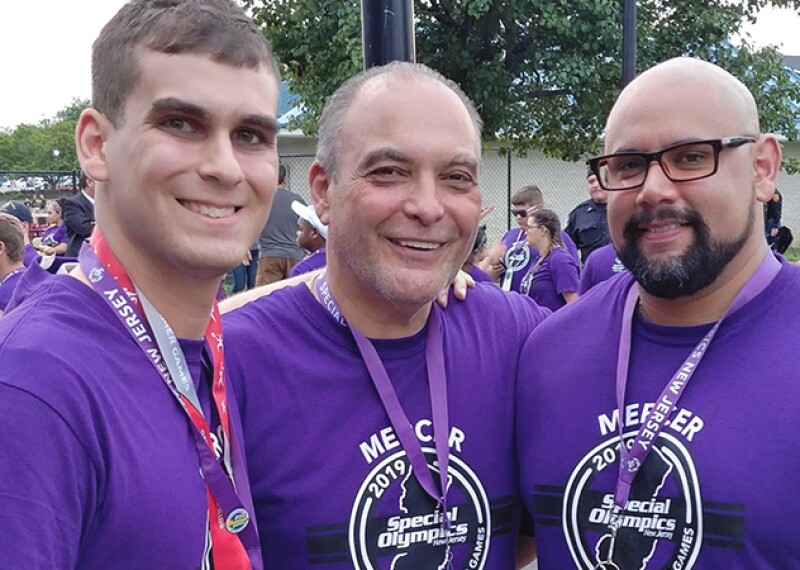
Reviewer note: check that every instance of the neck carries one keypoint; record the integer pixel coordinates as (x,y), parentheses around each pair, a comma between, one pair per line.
(185,301)
(708,305)
(372,314)
(7,267)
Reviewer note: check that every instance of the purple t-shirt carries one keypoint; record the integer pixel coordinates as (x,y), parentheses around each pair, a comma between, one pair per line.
(7,286)
(519,257)
(479,275)
(331,483)
(602,264)
(718,489)
(97,466)
(55,235)
(557,274)
(313,262)
(29,255)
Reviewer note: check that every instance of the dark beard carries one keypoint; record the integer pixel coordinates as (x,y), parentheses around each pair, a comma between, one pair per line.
(688,273)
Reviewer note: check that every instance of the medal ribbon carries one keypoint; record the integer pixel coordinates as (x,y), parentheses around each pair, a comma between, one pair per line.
(234,538)
(437,385)
(632,460)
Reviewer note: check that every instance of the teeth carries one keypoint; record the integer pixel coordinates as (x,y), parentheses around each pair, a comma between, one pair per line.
(664,228)
(419,244)
(210,211)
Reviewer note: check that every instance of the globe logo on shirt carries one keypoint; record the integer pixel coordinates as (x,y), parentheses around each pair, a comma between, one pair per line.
(96,274)
(517,257)
(396,525)
(662,524)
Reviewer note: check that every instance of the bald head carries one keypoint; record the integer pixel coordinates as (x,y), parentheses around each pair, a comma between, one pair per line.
(689,86)
(368,82)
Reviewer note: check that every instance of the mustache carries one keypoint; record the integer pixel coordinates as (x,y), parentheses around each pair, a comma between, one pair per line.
(689,216)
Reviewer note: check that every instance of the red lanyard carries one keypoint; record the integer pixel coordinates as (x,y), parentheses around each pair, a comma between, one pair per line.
(234,539)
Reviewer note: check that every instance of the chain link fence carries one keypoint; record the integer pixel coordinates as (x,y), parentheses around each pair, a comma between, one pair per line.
(563,185)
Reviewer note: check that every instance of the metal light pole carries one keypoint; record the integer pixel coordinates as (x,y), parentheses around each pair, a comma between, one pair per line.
(628,41)
(387,31)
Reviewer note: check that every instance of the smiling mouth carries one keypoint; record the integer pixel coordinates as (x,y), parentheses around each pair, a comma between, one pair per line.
(417,245)
(214,212)
(661,229)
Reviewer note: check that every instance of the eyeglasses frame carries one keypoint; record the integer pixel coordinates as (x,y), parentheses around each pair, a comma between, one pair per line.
(717,144)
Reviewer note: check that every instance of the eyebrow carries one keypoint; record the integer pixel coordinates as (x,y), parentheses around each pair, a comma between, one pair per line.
(466,160)
(175,105)
(677,142)
(386,153)
(389,153)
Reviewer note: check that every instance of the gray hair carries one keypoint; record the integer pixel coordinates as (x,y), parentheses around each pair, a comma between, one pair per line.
(332,119)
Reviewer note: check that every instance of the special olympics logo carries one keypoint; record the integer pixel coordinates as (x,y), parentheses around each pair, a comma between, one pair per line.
(662,526)
(517,257)
(396,525)
(96,274)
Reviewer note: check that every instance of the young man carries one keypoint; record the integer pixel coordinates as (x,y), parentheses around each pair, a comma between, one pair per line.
(350,381)
(123,439)
(23,214)
(11,252)
(689,360)
(311,236)
(511,259)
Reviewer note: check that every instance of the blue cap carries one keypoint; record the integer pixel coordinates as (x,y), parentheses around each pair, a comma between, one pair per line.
(18,210)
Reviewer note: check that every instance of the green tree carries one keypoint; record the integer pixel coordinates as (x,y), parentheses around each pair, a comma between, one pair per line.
(543,74)
(46,146)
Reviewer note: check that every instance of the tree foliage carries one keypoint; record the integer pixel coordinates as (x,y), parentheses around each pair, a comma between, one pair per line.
(543,74)
(30,147)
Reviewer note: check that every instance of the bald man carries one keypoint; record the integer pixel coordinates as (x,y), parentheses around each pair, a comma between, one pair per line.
(690,358)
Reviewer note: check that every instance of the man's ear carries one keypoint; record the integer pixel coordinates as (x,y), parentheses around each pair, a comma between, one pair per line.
(91,134)
(319,181)
(766,165)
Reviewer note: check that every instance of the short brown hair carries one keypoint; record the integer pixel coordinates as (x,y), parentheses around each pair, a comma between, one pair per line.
(218,28)
(528,195)
(12,235)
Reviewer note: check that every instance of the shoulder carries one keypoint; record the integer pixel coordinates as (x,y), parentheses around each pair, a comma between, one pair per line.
(601,305)
(579,207)
(492,309)
(58,344)
(269,314)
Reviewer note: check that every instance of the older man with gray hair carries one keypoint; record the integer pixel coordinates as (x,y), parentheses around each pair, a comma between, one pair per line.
(379,427)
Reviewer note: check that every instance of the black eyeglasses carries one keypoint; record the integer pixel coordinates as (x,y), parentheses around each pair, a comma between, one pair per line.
(519,213)
(682,162)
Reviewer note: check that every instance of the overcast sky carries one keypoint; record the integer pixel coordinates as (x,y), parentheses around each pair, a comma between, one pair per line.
(45,61)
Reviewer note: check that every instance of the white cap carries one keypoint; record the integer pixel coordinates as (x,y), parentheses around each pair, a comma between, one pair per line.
(309,214)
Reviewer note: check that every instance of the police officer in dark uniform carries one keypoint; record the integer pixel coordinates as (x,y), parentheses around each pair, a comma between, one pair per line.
(587,224)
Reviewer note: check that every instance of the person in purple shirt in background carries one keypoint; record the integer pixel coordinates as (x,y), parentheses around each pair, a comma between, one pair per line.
(23,214)
(11,251)
(657,417)
(510,259)
(477,254)
(311,236)
(603,264)
(122,438)
(54,239)
(349,380)
(553,280)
